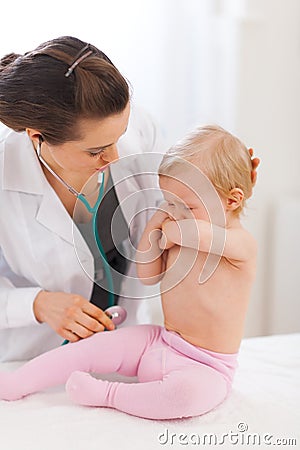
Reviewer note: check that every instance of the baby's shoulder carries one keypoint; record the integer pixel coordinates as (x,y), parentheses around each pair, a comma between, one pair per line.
(240,245)
(245,235)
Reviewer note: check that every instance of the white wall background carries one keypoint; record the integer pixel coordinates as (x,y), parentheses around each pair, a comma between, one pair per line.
(232,62)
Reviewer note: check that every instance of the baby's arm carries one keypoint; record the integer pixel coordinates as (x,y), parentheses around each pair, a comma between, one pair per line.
(232,243)
(150,258)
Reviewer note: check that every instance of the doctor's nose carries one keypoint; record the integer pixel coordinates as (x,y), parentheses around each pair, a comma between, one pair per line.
(111,155)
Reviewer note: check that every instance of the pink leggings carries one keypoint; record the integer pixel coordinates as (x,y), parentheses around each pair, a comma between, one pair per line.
(176,379)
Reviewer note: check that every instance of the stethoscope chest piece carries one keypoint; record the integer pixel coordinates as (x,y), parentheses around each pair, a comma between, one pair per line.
(116,313)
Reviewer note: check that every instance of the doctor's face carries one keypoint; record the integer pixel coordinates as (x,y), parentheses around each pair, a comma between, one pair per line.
(94,151)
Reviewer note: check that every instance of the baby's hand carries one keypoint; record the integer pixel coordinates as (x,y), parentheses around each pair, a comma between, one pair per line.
(164,243)
(159,216)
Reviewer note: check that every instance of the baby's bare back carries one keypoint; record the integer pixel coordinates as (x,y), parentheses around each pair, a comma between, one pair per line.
(212,314)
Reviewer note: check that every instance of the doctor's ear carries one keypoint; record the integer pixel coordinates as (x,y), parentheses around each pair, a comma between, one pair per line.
(235,199)
(34,135)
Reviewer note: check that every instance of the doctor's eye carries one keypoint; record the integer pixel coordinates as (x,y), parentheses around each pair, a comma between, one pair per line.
(94,154)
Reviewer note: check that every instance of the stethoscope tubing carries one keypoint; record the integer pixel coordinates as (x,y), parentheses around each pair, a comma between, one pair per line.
(92,210)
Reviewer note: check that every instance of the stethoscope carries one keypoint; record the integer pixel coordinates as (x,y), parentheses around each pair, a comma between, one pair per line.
(115,312)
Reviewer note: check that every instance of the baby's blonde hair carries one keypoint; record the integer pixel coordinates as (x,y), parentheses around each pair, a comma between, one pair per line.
(222,157)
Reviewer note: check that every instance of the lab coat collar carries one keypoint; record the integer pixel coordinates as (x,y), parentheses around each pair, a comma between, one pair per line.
(53,216)
(22,171)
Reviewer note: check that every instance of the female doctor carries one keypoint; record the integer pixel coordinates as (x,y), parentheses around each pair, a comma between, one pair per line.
(64,108)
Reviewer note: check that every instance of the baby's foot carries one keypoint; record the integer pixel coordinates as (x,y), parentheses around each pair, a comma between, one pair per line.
(83,389)
(8,389)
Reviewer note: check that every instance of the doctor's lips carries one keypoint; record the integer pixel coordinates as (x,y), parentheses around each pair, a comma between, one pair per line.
(101,169)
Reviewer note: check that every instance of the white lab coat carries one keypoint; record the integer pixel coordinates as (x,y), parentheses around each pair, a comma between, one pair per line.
(40,248)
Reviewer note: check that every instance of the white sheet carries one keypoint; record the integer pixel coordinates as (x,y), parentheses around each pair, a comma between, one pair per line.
(265,397)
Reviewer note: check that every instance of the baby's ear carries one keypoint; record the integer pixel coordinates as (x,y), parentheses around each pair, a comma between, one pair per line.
(235,199)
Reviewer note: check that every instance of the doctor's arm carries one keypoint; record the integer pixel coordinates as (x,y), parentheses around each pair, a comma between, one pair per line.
(15,301)
(69,315)
(16,305)
(233,243)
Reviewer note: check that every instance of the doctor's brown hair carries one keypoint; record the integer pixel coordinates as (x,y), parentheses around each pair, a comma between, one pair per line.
(35,93)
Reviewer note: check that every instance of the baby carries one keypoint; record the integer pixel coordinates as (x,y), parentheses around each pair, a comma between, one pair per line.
(196,247)
(205,180)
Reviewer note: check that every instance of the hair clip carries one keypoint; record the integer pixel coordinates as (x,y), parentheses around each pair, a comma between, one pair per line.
(78,59)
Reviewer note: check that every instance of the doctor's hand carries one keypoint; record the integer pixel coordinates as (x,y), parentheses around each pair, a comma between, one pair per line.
(71,316)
